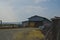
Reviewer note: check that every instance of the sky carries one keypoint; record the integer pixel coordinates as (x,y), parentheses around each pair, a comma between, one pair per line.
(20,10)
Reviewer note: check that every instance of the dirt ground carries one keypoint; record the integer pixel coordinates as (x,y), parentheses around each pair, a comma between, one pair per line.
(21,34)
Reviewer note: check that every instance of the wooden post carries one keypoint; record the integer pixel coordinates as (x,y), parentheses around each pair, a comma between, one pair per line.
(0,23)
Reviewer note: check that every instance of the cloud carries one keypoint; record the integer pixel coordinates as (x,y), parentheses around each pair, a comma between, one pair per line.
(27,11)
(32,9)
(18,10)
(39,1)
(6,12)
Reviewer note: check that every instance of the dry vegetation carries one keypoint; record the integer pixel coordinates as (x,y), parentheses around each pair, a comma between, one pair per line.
(28,35)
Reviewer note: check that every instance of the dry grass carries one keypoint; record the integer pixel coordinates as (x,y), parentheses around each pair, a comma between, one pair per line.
(28,35)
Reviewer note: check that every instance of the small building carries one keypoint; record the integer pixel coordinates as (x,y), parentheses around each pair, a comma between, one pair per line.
(36,21)
(56,28)
(25,24)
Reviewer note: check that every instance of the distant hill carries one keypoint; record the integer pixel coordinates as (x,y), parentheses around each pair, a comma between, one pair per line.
(11,22)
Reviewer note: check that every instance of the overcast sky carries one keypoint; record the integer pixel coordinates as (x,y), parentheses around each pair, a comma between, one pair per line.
(20,10)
